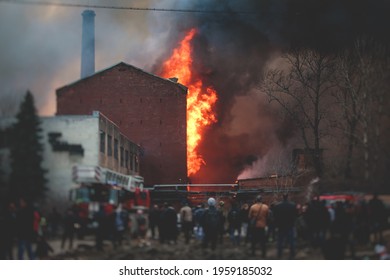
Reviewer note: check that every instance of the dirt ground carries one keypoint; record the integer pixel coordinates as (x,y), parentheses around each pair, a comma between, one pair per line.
(131,249)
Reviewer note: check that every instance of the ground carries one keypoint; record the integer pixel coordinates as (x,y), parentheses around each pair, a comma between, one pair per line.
(131,249)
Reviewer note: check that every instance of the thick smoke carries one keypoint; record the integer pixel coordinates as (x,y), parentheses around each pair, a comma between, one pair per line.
(41,47)
(232,49)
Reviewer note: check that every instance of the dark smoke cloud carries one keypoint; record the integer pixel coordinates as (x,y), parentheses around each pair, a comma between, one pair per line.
(231,52)
(41,47)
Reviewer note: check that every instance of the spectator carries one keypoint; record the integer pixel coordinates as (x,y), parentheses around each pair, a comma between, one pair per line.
(211,224)
(258,214)
(317,219)
(186,222)
(285,215)
(54,221)
(25,229)
(334,248)
(362,232)
(244,213)
(154,215)
(161,224)
(36,222)
(119,223)
(377,215)
(104,227)
(198,221)
(8,232)
(234,220)
(168,224)
(142,226)
(271,233)
(221,231)
(68,228)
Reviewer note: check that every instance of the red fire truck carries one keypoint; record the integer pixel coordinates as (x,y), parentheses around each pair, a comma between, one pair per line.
(101,188)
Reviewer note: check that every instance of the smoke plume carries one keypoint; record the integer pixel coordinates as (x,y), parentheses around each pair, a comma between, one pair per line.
(41,47)
(231,51)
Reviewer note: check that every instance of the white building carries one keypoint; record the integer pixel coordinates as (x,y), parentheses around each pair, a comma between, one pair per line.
(78,140)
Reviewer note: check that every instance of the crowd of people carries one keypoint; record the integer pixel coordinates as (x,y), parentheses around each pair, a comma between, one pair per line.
(24,225)
(336,229)
(333,228)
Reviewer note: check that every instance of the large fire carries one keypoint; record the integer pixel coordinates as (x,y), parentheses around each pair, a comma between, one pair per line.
(200,100)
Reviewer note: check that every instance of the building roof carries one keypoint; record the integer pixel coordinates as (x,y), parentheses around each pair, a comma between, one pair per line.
(122,64)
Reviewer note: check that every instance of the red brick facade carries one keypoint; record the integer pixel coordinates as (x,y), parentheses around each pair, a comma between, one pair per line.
(149,110)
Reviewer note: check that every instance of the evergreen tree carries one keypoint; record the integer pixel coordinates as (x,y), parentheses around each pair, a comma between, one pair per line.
(27,176)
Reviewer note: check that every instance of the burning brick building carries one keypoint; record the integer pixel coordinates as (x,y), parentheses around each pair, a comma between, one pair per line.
(149,110)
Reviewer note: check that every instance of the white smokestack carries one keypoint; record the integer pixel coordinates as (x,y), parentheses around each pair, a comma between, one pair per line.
(88,44)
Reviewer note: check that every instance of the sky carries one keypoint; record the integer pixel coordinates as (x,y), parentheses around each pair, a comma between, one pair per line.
(40,49)
(41,46)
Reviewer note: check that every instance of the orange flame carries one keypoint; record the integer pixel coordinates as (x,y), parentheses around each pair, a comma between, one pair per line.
(200,99)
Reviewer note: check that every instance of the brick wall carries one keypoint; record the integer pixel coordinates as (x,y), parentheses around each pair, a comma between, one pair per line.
(149,110)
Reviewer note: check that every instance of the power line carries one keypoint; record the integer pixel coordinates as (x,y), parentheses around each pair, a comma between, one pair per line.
(46,3)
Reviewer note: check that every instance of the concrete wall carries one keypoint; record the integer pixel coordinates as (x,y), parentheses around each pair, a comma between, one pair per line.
(75,130)
(75,140)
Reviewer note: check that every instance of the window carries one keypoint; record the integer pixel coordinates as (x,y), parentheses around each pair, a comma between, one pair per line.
(127,158)
(116,148)
(136,164)
(122,157)
(102,141)
(131,161)
(109,145)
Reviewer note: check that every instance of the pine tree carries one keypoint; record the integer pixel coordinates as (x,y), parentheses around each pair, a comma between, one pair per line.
(27,178)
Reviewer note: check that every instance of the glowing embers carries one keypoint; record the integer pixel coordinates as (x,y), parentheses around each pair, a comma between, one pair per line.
(200,99)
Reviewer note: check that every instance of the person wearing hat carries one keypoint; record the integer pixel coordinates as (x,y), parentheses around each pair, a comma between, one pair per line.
(211,224)
(258,214)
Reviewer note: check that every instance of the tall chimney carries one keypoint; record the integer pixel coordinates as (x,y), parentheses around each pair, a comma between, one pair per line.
(88,44)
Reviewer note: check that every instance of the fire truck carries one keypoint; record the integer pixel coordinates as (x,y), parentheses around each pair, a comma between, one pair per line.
(100,188)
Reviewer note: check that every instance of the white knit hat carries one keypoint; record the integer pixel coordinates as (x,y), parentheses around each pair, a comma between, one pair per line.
(211,201)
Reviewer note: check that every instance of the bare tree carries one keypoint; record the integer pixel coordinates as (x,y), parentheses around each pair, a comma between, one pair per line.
(291,177)
(302,91)
(350,99)
(361,76)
